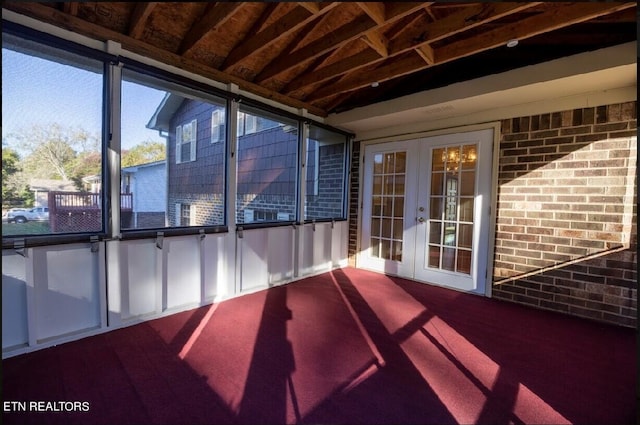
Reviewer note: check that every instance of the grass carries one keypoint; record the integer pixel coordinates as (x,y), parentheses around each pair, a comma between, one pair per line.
(28,228)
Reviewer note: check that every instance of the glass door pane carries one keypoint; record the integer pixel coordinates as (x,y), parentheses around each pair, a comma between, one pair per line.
(452,198)
(387,224)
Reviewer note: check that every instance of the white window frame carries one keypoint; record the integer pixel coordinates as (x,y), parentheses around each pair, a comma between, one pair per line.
(250,124)
(217,125)
(192,214)
(240,130)
(186,130)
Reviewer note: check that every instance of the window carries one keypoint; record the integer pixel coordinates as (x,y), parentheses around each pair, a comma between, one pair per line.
(161,147)
(251,216)
(186,142)
(218,131)
(185,214)
(247,124)
(267,168)
(325,174)
(52,108)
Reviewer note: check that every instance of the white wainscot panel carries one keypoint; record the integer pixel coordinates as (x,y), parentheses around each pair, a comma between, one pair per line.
(316,248)
(215,268)
(254,270)
(183,270)
(66,287)
(339,243)
(280,257)
(14,301)
(140,278)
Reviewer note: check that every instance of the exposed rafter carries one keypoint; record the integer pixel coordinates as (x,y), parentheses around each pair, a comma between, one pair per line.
(139,17)
(422,32)
(215,16)
(336,38)
(562,15)
(291,22)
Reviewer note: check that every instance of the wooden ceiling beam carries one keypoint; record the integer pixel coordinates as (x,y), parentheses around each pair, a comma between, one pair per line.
(311,6)
(215,17)
(375,10)
(377,42)
(557,16)
(62,20)
(391,68)
(427,53)
(70,7)
(332,40)
(139,16)
(422,32)
(347,33)
(479,14)
(283,27)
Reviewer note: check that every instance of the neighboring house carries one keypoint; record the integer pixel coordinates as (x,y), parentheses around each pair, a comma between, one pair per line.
(42,187)
(266,170)
(146,183)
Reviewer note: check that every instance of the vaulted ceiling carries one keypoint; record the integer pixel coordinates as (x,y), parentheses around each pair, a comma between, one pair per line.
(335,56)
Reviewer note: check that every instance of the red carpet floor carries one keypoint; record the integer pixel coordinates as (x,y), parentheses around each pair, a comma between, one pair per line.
(347,347)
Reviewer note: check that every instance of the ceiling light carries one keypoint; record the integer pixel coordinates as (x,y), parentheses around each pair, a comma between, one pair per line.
(375,84)
(512,43)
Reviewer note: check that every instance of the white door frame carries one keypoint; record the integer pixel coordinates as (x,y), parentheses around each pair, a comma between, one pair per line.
(491,221)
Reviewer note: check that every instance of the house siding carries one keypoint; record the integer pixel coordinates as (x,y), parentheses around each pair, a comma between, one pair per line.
(566,215)
(566,234)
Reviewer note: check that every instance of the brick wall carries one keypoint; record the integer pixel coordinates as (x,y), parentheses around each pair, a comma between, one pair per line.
(566,221)
(209,208)
(354,187)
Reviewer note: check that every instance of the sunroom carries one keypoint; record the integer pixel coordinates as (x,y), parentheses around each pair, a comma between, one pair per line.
(320,212)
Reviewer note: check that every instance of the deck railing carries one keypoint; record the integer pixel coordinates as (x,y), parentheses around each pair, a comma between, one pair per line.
(80,211)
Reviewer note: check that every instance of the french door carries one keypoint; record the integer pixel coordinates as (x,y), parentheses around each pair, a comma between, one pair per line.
(426,209)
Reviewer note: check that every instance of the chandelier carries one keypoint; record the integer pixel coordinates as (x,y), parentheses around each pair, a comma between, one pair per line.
(453,159)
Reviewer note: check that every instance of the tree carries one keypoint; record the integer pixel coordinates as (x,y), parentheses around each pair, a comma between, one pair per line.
(49,150)
(11,182)
(57,152)
(143,153)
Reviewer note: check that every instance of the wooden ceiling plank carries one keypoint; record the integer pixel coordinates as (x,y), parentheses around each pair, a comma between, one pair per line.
(338,37)
(335,69)
(311,6)
(70,7)
(400,9)
(139,17)
(80,26)
(291,22)
(559,16)
(215,17)
(427,53)
(413,38)
(469,18)
(337,101)
(392,68)
(377,42)
(375,10)
(344,34)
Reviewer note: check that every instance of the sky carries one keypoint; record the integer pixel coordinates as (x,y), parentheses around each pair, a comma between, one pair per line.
(38,91)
